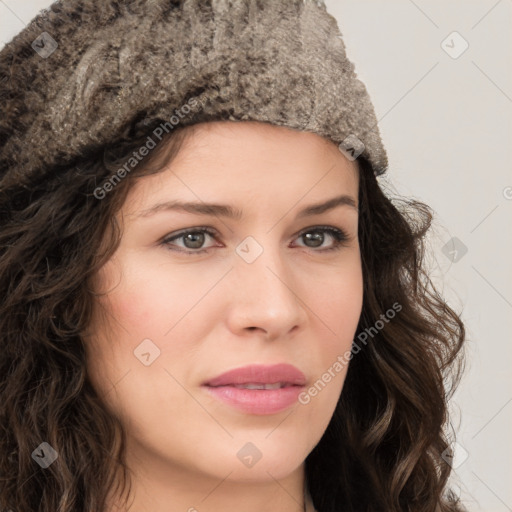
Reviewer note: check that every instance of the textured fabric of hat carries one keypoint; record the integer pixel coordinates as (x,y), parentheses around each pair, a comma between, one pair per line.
(83,72)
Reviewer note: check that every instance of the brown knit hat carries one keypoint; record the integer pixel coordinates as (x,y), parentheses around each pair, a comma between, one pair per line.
(84,72)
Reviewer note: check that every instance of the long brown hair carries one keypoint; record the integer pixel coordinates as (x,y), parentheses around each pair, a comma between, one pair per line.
(382,449)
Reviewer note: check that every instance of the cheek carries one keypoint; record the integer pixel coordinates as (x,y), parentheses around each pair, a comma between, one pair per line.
(338,308)
(144,297)
(149,303)
(341,304)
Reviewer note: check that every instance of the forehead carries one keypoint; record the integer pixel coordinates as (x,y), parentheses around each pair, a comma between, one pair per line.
(220,135)
(223,161)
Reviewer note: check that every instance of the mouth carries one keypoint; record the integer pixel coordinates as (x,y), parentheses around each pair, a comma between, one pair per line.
(254,385)
(260,399)
(258,389)
(258,374)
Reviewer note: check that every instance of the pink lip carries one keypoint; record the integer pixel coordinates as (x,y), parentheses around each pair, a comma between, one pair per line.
(260,374)
(258,401)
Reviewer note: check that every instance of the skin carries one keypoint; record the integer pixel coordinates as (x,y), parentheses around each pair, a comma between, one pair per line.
(211,312)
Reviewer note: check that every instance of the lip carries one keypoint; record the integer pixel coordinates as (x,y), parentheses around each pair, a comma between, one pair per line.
(260,374)
(258,401)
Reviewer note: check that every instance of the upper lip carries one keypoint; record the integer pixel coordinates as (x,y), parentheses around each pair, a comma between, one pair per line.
(260,374)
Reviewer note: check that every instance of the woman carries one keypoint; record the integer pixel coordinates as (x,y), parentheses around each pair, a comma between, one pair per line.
(209,302)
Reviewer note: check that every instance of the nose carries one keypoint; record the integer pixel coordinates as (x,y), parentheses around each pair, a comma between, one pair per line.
(265,298)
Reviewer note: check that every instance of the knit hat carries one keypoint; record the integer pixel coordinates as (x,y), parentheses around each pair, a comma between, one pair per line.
(84,72)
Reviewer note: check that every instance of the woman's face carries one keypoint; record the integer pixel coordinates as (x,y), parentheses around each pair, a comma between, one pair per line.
(269,286)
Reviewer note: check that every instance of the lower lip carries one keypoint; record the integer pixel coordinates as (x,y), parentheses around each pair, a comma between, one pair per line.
(257,401)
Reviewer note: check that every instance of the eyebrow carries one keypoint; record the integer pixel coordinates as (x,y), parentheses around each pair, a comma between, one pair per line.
(224,210)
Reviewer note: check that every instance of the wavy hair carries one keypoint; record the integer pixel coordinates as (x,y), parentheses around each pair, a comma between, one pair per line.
(382,449)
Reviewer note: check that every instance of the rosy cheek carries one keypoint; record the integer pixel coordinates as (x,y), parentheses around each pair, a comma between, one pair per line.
(134,311)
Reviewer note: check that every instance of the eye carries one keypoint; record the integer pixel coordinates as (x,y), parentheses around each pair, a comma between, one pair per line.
(315,236)
(194,239)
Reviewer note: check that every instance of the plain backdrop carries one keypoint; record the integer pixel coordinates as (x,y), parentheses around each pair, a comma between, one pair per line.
(439,74)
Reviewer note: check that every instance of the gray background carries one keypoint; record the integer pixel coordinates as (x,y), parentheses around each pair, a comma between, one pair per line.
(447,125)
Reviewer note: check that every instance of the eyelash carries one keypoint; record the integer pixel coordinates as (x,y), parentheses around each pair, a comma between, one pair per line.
(340,238)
